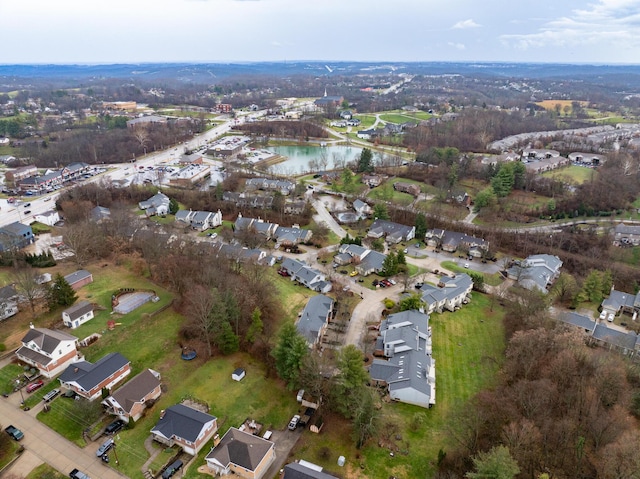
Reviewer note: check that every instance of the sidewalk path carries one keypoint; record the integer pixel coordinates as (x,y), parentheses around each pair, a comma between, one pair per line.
(48,446)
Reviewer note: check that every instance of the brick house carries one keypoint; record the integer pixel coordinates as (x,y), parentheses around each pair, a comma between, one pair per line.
(88,380)
(131,400)
(186,427)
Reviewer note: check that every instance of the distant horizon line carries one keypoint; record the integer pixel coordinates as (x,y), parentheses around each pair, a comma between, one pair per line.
(257,62)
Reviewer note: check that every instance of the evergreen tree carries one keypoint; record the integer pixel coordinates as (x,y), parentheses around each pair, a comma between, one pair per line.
(173,206)
(227,341)
(289,354)
(351,378)
(365,163)
(256,327)
(502,182)
(413,301)
(380,211)
(390,265)
(421,226)
(60,293)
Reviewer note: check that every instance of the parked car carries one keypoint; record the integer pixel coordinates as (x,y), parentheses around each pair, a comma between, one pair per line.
(466,265)
(611,317)
(51,395)
(603,315)
(293,424)
(104,448)
(172,469)
(114,427)
(14,432)
(35,385)
(353,273)
(76,474)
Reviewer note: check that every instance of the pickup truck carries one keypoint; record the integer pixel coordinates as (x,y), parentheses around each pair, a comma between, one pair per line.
(14,432)
(76,474)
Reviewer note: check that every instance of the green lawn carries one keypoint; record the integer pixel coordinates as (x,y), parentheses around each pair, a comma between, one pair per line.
(490,279)
(45,471)
(9,449)
(366,121)
(572,174)
(397,197)
(468,346)
(8,376)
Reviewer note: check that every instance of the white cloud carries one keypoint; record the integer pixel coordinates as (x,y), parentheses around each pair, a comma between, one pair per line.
(607,23)
(464,24)
(457,46)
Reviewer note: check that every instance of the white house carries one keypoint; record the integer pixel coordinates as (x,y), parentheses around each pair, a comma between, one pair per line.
(48,350)
(77,314)
(156,205)
(449,294)
(48,218)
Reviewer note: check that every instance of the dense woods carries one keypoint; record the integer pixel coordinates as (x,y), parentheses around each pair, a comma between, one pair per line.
(560,407)
(302,130)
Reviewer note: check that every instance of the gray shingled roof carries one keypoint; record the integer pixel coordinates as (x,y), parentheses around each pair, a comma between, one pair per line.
(136,389)
(240,448)
(298,471)
(46,339)
(79,309)
(314,317)
(88,375)
(183,422)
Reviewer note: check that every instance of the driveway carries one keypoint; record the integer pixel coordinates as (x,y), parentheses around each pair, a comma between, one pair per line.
(44,445)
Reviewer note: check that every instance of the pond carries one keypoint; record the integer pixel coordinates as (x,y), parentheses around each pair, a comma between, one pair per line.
(304,159)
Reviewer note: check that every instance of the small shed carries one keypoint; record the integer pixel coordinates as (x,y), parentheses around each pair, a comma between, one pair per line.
(238,374)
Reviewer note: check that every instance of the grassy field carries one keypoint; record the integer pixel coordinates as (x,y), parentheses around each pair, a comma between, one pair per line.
(572,174)
(8,376)
(468,346)
(397,197)
(366,121)
(8,452)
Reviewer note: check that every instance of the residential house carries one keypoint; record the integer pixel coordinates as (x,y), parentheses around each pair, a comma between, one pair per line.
(186,427)
(315,317)
(131,399)
(184,216)
(452,241)
(536,272)
(304,470)
(239,254)
(294,207)
(409,370)
(459,196)
(88,380)
(291,236)
(392,232)
(366,261)
(255,225)
(79,278)
(99,214)
(8,302)
(285,187)
(244,200)
(626,235)
(48,350)
(48,218)
(449,294)
(539,154)
(592,159)
(600,334)
(546,164)
(362,209)
(404,187)
(346,114)
(372,180)
(156,205)
(78,314)
(304,274)
(619,301)
(203,220)
(15,236)
(241,454)
(367,134)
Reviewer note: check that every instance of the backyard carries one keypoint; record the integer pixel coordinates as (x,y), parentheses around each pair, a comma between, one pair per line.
(468,346)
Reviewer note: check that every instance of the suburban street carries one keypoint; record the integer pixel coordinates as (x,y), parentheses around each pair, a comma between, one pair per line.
(43,445)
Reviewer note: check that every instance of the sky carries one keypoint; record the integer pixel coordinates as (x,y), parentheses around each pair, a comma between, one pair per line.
(135,31)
